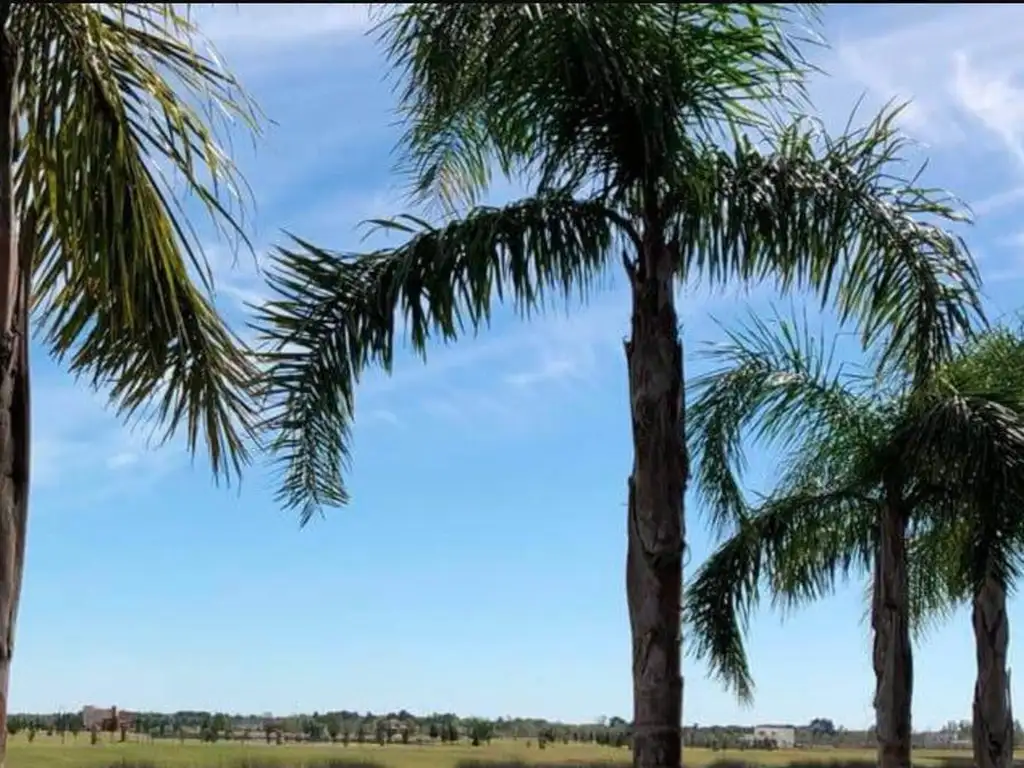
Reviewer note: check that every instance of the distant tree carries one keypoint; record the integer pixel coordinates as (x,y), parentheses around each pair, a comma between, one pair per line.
(346,737)
(278,738)
(453,731)
(31,733)
(821,727)
(406,733)
(333,729)
(268,731)
(480,730)
(361,733)
(434,732)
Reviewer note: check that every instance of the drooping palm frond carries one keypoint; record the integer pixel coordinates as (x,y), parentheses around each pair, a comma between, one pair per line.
(111,95)
(809,210)
(782,385)
(581,91)
(971,443)
(797,546)
(334,314)
(969,446)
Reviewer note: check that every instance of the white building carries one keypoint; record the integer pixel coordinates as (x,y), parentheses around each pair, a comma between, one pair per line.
(784,736)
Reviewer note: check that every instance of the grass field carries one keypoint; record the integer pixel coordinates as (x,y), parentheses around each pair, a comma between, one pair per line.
(51,753)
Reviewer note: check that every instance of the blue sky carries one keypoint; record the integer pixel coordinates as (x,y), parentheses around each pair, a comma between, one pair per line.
(480,566)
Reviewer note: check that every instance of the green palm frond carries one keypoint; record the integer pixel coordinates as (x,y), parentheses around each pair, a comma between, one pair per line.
(334,314)
(111,96)
(971,443)
(581,91)
(991,360)
(822,212)
(780,383)
(797,546)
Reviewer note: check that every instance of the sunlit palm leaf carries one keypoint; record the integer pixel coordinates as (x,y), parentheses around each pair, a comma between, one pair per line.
(822,212)
(111,95)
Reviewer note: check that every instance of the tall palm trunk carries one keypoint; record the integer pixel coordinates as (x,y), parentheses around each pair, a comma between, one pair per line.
(993,718)
(655,525)
(14,403)
(892,657)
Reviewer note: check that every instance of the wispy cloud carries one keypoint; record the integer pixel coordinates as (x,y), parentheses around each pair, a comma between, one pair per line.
(960,65)
(79,447)
(256,29)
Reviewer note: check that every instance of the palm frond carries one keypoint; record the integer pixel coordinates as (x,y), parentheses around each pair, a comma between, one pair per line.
(992,359)
(780,383)
(969,443)
(828,213)
(334,314)
(110,93)
(580,91)
(797,546)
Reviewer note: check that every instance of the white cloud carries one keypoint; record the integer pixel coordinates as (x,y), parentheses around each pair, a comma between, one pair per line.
(79,446)
(252,29)
(960,64)
(122,460)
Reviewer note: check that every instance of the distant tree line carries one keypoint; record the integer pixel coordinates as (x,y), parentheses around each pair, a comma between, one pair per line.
(346,727)
(341,727)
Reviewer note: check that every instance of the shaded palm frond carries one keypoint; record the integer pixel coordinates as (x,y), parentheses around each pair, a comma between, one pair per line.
(333,314)
(780,383)
(112,94)
(828,213)
(797,546)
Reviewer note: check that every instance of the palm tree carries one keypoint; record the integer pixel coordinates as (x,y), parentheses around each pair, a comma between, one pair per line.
(97,99)
(979,552)
(944,454)
(615,114)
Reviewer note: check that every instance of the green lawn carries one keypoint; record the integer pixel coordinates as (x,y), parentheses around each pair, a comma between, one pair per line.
(51,753)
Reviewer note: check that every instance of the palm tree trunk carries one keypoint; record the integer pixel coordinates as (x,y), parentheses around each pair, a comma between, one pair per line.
(993,719)
(14,403)
(655,511)
(892,657)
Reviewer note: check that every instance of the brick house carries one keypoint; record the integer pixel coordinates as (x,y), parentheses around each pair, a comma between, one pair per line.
(107,718)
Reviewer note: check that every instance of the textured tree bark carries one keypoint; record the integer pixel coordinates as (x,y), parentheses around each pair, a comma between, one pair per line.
(655,511)
(892,654)
(993,717)
(14,402)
